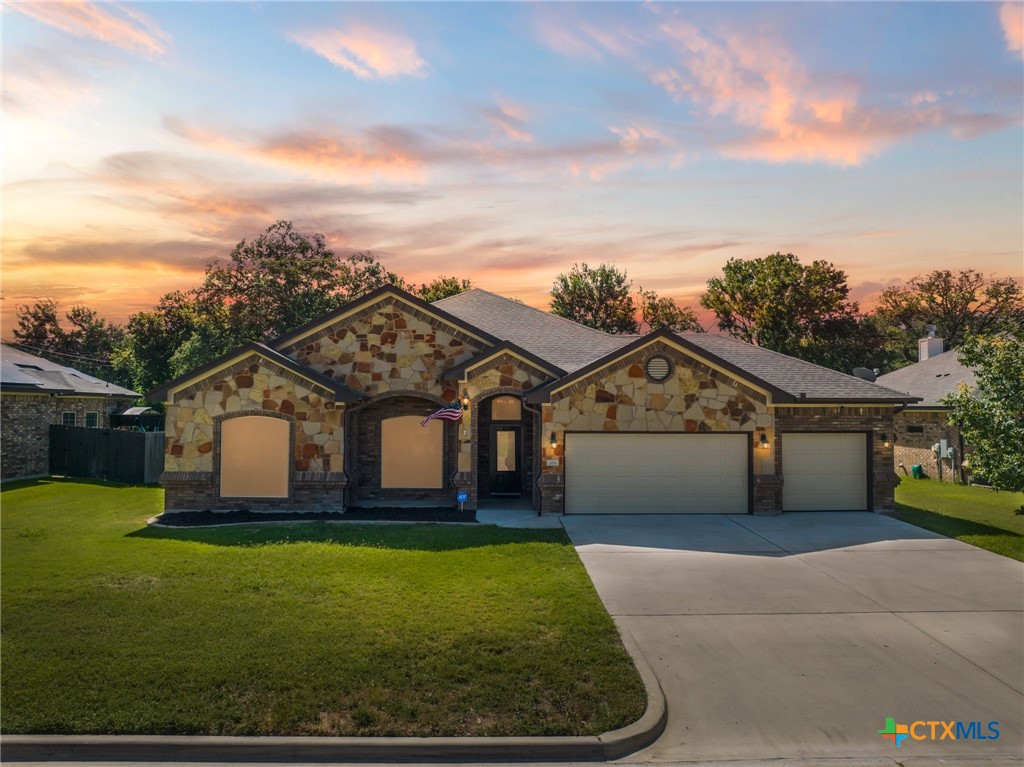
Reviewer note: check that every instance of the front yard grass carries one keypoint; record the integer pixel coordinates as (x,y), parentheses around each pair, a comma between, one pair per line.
(975,515)
(302,629)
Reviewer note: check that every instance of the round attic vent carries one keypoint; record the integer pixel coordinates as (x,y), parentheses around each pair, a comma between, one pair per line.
(658,368)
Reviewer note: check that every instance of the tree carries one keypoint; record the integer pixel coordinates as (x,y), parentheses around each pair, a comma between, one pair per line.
(959,304)
(780,304)
(991,417)
(154,337)
(598,298)
(274,283)
(657,312)
(443,287)
(88,345)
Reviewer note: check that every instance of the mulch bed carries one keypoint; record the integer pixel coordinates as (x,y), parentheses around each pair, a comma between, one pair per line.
(243,516)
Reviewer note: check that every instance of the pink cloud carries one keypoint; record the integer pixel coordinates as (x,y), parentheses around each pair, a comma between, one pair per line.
(510,119)
(1011,16)
(389,154)
(365,52)
(116,25)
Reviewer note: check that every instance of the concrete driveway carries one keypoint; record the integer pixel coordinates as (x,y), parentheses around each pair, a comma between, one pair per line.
(796,636)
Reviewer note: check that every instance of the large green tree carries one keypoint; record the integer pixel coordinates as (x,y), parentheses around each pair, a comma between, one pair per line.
(600,297)
(959,304)
(991,416)
(798,309)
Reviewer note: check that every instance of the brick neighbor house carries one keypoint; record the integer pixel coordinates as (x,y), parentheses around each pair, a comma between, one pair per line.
(573,419)
(35,393)
(925,424)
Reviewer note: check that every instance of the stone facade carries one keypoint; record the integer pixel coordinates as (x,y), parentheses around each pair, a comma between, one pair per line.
(694,398)
(26,428)
(386,347)
(916,431)
(506,374)
(252,386)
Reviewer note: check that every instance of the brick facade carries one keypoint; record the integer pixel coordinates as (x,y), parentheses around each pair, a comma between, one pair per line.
(874,421)
(26,428)
(915,447)
(365,445)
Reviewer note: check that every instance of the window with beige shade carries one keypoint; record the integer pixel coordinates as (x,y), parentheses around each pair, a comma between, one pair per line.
(254,458)
(506,409)
(411,455)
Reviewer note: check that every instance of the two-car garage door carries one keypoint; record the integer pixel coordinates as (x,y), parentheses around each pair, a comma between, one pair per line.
(656,473)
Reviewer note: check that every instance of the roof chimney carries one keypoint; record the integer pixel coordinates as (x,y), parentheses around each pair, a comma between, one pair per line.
(929,347)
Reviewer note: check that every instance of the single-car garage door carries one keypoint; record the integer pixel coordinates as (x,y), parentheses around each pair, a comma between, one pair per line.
(824,472)
(656,473)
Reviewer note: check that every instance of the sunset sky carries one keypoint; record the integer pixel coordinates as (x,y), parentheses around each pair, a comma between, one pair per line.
(504,142)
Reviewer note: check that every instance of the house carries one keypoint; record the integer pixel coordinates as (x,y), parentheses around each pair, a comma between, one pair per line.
(35,393)
(576,420)
(925,424)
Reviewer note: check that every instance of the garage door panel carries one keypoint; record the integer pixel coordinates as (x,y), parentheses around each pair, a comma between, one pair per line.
(824,472)
(656,473)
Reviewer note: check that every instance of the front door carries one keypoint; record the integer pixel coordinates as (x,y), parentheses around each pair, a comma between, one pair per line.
(506,460)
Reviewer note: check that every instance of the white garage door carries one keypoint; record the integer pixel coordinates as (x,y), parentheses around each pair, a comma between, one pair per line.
(824,472)
(656,473)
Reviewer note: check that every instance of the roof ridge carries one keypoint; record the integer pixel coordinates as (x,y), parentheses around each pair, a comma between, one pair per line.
(532,308)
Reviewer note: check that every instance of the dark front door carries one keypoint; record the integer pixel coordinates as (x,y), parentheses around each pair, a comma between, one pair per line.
(506,460)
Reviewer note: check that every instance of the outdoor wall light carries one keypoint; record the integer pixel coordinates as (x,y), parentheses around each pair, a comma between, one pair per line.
(764,441)
(465,400)
(554,439)
(885,440)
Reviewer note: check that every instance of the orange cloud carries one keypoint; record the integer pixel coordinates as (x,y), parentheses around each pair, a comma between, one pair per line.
(116,25)
(365,52)
(1011,16)
(382,153)
(761,85)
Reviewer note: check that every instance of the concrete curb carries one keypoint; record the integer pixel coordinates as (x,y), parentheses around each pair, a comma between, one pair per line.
(211,748)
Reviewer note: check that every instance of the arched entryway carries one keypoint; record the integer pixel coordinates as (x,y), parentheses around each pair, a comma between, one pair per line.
(394,457)
(505,447)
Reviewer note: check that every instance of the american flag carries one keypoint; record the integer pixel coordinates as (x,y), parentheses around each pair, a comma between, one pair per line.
(450,412)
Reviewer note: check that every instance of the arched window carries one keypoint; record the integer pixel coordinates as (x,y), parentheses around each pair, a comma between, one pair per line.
(411,455)
(506,409)
(254,457)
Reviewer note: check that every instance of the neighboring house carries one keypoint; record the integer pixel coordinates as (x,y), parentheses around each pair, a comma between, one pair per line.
(925,424)
(35,393)
(574,419)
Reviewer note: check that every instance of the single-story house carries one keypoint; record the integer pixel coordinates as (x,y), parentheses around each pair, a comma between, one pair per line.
(576,420)
(924,435)
(35,393)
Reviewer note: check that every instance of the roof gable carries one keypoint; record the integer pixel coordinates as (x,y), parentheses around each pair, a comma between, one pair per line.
(784,379)
(298,336)
(339,391)
(505,347)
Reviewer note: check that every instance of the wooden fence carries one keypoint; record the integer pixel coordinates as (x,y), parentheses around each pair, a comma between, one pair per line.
(136,457)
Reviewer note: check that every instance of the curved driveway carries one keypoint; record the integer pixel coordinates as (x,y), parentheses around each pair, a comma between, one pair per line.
(796,636)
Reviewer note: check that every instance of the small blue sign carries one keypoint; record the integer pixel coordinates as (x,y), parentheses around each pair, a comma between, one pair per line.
(462,497)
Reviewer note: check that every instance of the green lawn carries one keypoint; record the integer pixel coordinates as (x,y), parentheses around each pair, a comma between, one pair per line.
(974,515)
(309,628)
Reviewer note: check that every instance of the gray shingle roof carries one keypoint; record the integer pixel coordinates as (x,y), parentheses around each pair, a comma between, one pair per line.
(561,342)
(931,380)
(21,371)
(572,346)
(791,375)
